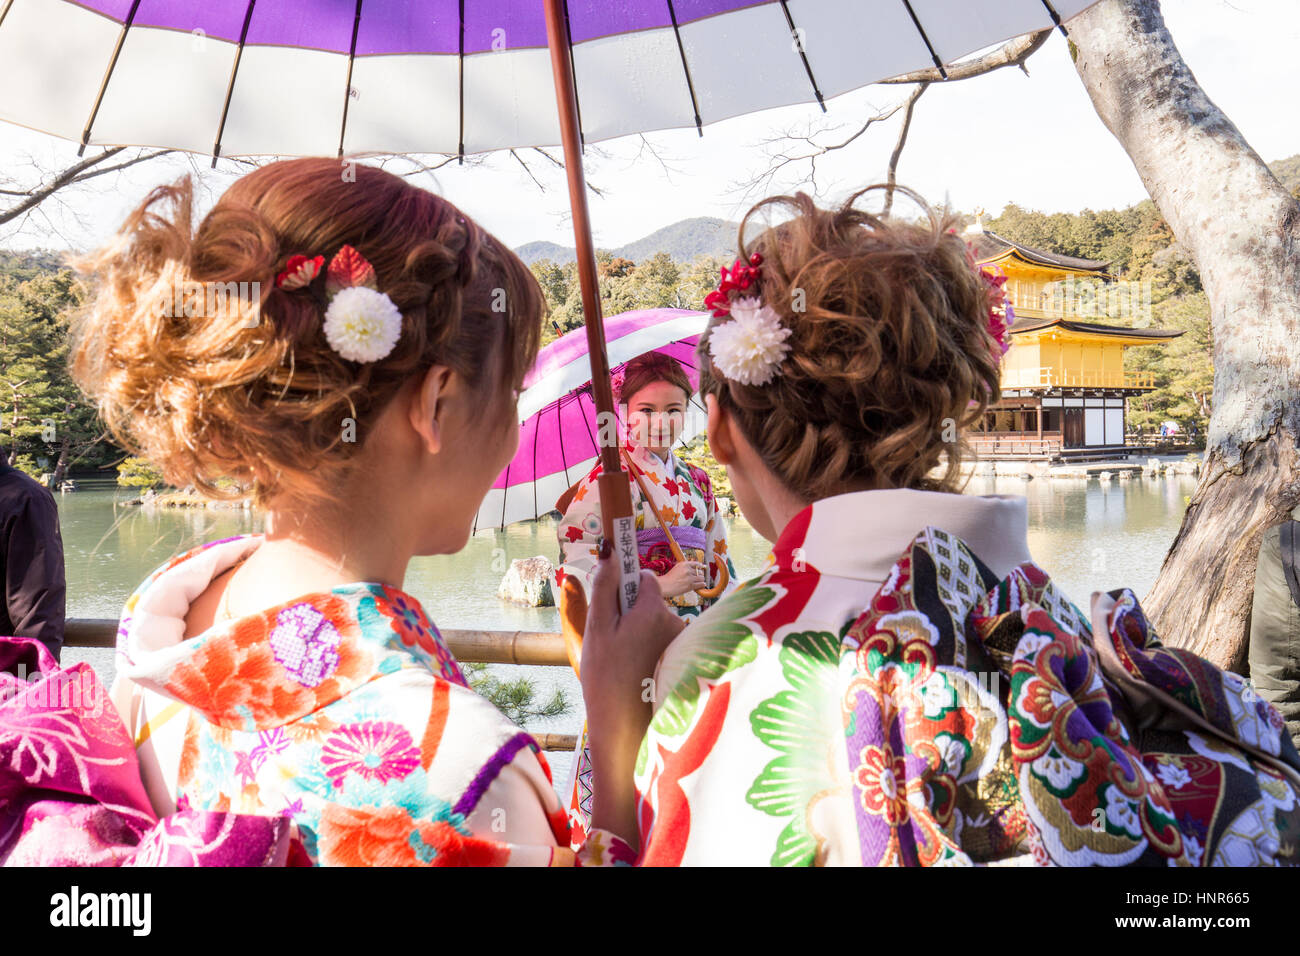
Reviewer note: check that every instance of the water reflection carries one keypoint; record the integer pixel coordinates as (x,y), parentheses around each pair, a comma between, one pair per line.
(1097,536)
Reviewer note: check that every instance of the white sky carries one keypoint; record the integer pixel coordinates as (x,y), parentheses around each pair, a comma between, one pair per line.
(1001,138)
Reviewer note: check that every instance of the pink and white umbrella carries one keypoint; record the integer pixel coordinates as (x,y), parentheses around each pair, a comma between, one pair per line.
(558,433)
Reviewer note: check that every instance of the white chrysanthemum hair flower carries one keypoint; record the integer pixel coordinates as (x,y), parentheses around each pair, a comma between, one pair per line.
(750,347)
(362,324)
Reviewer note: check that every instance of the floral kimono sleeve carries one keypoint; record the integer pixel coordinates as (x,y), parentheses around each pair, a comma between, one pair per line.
(579,533)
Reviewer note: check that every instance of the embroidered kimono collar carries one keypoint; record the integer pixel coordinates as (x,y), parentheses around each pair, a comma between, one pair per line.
(275,666)
(649,460)
(863,533)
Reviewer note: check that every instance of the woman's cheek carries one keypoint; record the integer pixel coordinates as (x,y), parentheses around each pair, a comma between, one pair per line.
(511,436)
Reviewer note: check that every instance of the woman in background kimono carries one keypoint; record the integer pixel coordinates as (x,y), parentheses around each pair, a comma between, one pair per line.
(654,390)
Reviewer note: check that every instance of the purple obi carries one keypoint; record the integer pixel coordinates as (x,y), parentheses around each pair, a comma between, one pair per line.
(686,536)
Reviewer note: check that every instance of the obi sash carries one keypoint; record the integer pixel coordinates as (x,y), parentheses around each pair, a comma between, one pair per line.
(686,536)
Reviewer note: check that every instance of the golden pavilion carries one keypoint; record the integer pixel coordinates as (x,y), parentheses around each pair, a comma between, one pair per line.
(1064,385)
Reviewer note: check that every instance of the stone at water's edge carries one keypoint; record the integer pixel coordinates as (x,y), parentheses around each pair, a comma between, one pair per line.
(528,582)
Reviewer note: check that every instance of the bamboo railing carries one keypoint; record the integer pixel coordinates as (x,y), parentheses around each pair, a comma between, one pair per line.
(537,648)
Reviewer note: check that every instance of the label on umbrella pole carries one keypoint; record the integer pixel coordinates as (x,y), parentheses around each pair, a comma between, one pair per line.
(620,527)
(629,564)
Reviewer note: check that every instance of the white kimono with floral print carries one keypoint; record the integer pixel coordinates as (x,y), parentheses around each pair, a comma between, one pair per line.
(680,493)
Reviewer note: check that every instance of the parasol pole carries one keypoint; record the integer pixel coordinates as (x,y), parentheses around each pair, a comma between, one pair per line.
(614,484)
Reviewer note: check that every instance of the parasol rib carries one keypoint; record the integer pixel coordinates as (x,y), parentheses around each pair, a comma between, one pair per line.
(559,430)
(594,443)
(943,73)
(1056,19)
(803,55)
(505,494)
(230,87)
(460,82)
(347,90)
(690,84)
(112,63)
(573,73)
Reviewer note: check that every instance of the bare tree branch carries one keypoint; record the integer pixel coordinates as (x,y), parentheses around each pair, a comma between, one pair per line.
(647,146)
(529,170)
(76,173)
(446,160)
(781,156)
(783,152)
(902,141)
(560,163)
(1012,53)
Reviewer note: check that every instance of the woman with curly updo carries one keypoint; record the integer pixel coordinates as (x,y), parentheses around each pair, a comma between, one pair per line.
(902,685)
(330,338)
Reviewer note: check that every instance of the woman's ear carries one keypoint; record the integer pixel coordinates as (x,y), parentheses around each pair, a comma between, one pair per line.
(721,442)
(424,408)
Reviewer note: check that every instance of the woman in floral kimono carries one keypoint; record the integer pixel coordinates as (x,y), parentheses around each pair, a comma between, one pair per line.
(654,389)
(366,400)
(902,685)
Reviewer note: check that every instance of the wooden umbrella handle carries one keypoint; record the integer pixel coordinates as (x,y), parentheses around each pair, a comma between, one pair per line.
(724,576)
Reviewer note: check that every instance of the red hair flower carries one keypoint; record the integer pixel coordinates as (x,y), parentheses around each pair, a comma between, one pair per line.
(1001,314)
(298,272)
(740,277)
(361,323)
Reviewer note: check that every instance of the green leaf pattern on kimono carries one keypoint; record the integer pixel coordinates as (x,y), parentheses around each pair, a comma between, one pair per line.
(721,641)
(793,723)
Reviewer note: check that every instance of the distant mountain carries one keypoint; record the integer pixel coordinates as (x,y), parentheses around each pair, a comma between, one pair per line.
(684,240)
(538,250)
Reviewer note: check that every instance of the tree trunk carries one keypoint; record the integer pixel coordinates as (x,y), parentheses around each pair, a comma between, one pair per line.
(61,463)
(1243,231)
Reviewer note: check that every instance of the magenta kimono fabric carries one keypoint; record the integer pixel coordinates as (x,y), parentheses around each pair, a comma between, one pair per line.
(70,787)
(985,718)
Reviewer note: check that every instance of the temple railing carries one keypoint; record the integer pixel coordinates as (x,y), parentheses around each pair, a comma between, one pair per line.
(535,648)
(1074,378)
(1027,444)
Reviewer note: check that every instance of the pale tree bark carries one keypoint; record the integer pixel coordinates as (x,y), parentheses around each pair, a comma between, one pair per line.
(1243,230)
